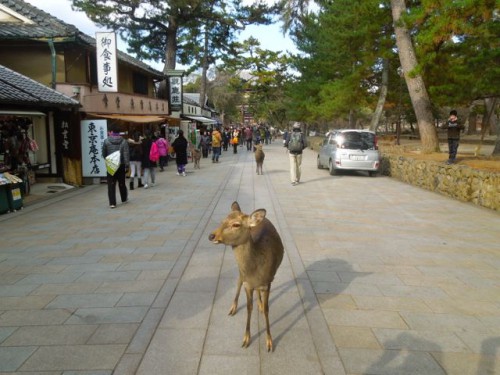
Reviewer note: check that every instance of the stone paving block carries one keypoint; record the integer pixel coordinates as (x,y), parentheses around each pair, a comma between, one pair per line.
(34,317)
(50,335)
(103,315)
(389,362)
(49,278)
(443,322)
(16,290)
(141,266)
(113,334)
(428,341)
(199,278)
(132,286)
(128,364)
(75,287)
(84,300)
(74,357)
(12,358)
(188,310)
(26,302)
(224,365)
(6,332)
(88,276)
(468,363)
(137,299)
(144,333)
(168,350)
(365,318)
(354,337)
(392,303)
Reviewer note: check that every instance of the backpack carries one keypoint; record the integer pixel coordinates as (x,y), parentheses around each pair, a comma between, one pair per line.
(154,154)
(295,142)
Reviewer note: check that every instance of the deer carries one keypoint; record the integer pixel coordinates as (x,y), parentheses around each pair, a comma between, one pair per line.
(196,154)
(258,250)
(259,157)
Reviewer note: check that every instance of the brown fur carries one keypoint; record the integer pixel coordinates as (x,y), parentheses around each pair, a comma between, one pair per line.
(196,158)
(259,251)
(259,158)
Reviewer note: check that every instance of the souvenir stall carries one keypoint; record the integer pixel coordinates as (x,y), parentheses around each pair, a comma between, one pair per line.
(18,149)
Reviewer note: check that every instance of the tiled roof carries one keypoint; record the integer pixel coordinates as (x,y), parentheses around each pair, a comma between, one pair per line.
(21,90)
(47,26)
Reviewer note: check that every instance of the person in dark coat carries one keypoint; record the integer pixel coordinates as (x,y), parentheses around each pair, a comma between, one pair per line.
(114,143)
(180,146)
(148,166)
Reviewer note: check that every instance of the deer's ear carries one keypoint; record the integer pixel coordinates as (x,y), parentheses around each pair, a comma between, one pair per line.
(256,217)
(235,207)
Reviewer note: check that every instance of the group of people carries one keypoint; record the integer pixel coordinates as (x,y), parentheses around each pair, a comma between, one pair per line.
(142,155)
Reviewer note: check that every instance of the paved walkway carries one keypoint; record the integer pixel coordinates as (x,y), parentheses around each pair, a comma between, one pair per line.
(379,277)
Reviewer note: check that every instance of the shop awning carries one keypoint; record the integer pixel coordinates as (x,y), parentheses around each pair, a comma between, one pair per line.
(204,120)
(22,113)
(142,119)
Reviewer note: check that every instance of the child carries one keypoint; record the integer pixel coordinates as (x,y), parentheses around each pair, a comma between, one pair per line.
(454,129)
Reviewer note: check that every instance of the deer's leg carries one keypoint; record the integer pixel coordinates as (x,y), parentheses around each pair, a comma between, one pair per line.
(246,337)
(234,306)
(269,339)
(259,301)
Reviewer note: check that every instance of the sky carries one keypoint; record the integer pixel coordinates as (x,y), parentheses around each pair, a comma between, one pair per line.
(270,37)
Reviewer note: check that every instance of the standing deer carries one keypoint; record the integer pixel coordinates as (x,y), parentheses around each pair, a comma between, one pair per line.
(259,157)
(258,250)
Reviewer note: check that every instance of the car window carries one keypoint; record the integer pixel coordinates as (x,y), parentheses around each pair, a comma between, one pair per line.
(357,140)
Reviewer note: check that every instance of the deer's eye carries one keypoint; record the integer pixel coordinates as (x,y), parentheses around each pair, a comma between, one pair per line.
(236,225)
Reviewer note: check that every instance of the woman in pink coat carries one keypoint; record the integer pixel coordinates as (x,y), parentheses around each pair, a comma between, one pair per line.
(163,147)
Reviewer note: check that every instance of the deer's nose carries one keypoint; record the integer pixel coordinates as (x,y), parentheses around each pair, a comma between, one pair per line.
(211,237)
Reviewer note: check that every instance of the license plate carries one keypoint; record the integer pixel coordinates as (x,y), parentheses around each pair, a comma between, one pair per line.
(356,157)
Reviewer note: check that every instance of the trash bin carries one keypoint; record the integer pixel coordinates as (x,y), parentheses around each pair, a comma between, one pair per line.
(15,196)
(4,199)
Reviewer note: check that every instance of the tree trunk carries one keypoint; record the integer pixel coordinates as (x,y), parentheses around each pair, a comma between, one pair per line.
(170,56)
(204,67)
(472,121)
(489,121)
(381,99)
(416,86)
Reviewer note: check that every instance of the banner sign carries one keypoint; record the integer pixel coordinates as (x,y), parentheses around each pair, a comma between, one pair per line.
(175,93)
(107,69)
(94,132)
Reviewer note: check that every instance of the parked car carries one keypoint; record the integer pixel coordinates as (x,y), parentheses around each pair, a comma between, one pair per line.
(350,149)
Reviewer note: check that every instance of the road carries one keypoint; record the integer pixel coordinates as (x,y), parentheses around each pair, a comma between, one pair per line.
(378,277)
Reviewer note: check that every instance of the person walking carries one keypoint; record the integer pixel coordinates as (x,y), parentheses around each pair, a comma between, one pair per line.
(148,165)
(180,146)
(135,150)
(248,137)
(163,147)
(235,140)
(454,128)
(295,143)
(113,143)
(204,144)
(216,144)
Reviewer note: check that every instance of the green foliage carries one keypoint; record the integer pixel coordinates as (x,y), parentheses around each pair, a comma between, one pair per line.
(458,49)
(157,29)
(341,50)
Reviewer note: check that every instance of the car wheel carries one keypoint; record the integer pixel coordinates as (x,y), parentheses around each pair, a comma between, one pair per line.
(372,173)
(318,164)
(331,168)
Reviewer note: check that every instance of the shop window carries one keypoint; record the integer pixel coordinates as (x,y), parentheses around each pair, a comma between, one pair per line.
(140,84)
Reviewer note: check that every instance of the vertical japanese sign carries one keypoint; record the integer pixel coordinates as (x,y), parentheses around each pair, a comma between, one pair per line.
(107,70)
(94,132)
(65,137)
(175,93)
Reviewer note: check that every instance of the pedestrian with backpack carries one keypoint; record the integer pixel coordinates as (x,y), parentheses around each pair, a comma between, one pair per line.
(295,143)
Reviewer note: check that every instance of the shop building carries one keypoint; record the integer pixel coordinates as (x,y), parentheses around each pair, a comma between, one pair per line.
(60,57)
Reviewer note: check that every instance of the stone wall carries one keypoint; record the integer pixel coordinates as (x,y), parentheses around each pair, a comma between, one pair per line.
(456,181)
